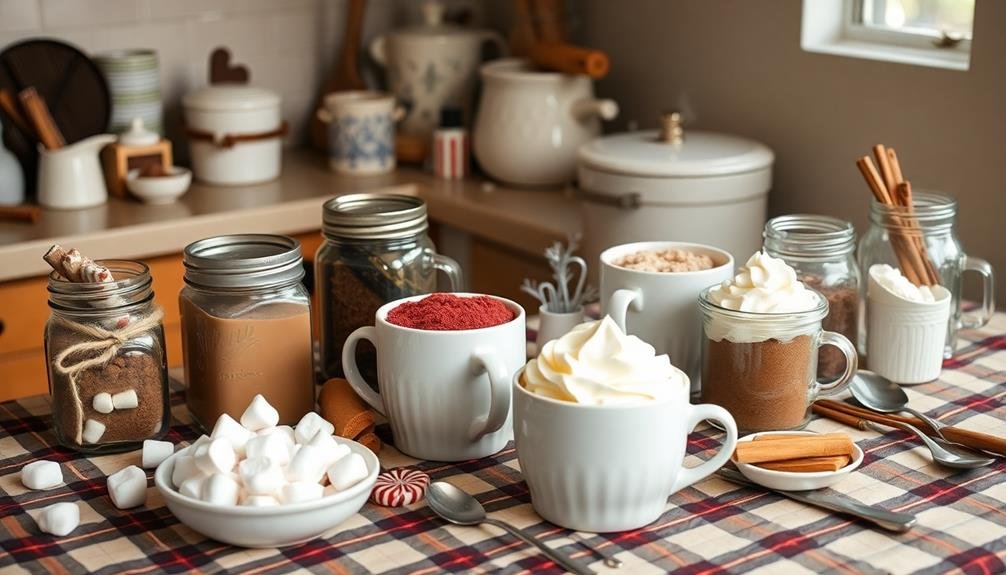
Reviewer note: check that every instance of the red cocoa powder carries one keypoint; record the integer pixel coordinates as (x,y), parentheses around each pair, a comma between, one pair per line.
(448,312)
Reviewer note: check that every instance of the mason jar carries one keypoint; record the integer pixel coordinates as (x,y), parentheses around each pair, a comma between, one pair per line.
(246,327)
(930,222)
(105,358)
(376,250)
(822,251)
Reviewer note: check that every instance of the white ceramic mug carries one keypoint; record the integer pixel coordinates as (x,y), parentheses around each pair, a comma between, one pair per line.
(602,468)
(661,307)
(446,394)
(553,325)
(361,131)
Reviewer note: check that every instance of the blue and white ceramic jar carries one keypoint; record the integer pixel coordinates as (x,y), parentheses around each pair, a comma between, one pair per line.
(361,131)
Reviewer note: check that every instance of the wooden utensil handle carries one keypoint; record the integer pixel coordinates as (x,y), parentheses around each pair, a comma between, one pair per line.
(29,214)
(37,111)
(975,439)
(9,106)
(570,59)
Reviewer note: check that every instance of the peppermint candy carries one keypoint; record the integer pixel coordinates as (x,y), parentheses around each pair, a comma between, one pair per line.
(399,487)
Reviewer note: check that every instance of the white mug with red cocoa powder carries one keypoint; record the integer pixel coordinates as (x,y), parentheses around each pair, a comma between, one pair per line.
(445,392)
(659,307)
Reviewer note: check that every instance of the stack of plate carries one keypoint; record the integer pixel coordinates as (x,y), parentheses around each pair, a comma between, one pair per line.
(135,84)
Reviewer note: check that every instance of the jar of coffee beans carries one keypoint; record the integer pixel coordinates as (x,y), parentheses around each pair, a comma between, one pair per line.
(105,356)
(376,250)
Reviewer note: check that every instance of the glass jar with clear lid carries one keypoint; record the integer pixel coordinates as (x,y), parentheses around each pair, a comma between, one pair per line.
(376,250)
(929,223)
(105,357)
(822,251)
(246,327)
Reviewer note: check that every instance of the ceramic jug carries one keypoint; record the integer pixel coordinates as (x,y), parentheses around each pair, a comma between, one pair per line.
(530,124)
(70,177)
(432,66)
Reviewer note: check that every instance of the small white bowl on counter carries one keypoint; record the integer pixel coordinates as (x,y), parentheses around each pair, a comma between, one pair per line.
(159,189)
(794,480)
(266,527)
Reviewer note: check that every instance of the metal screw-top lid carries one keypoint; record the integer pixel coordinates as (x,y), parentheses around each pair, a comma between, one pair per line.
(374,217)
(243,261)
(809,235)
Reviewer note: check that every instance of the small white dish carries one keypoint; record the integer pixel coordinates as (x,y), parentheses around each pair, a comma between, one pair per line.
(792,480)
(159,189)
(266,527)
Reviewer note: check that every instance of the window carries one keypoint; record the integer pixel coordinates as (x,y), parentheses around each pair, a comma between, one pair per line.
(922,32)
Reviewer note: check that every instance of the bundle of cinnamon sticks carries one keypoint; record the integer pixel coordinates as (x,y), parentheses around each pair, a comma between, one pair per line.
(32,117)
(890,187)
(799,453)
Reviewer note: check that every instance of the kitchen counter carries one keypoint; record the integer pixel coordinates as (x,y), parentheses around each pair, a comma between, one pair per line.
(523,220)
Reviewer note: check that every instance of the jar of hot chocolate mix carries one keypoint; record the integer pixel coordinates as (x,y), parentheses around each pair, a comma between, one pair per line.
(762,330)
(376,250)
(104,346)
(246,327)
(822,251)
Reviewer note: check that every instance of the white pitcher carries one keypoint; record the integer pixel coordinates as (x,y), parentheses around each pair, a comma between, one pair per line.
(70,177)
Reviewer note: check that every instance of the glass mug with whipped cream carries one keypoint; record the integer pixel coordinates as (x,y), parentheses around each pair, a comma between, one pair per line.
(601,423)
(762,330)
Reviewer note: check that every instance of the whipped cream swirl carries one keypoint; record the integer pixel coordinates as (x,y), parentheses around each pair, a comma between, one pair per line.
(597,364)
(764,285)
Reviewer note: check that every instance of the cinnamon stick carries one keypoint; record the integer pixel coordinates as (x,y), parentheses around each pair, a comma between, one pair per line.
(794,447)
(892,160)
(903,195)
(570,59)
(22,213)
(884,162)
(808,464)
(9,106)
(38,113)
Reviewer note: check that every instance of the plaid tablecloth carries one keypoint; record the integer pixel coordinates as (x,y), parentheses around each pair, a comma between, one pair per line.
(712,527)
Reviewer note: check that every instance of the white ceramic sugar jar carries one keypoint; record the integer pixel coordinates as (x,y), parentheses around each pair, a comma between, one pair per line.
(235,134)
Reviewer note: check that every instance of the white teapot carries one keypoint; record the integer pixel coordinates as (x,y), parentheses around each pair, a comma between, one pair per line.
(432,66)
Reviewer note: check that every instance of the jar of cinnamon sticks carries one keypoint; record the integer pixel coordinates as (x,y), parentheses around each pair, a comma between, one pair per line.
(105,354)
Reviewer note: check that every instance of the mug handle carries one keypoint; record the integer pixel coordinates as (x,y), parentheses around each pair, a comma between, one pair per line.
(352,372)
(851,365)
(619,302)
(451,269)
(983,268)
(488,361)
(696,415)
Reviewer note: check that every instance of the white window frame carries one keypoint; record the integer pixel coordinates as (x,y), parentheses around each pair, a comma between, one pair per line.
(831,27)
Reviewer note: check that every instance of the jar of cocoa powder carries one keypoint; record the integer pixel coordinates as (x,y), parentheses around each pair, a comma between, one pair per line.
(105,357)
(376,250)
(822,251)
(246,327)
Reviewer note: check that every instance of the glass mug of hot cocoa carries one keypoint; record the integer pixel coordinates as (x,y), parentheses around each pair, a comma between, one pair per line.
(762,330)
(444,363)
(601,422)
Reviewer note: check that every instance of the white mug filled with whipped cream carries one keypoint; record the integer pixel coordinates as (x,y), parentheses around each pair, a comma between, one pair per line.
(600,423)
(906,326)
(762,331)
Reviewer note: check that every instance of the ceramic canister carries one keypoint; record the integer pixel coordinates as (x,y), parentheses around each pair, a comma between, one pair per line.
(361,131)
(134,80)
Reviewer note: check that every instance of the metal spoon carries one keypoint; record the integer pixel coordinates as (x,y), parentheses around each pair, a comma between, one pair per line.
(608,560)
(460,508)
(883,395)
(879,397)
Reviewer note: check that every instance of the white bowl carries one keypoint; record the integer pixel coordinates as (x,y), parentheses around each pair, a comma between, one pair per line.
(159,189)
(794,480)
(275,526)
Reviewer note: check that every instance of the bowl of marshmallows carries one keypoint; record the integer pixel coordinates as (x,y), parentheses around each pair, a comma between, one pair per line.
(254,483)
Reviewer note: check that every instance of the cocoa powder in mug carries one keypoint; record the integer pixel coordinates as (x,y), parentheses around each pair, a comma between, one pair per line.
(764,385)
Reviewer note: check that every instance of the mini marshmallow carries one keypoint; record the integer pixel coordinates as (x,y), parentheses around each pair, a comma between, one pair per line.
(185,468)
(93,430)
(226,427)
(332,450)
(261,476)
(102,403)
(300,491)
(259,501)
(259,414)
(128,487)
(308,465)
(41,474)
(348,471)
(154,452)
(275,446)
(125,400)
(193,487)
(285,430)
(59,518)
(309,425)
(221,489)
(190,449)
(217,456)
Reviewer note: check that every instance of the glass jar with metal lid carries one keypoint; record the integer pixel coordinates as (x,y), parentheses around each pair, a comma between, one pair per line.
(822,251)
(246,327)
(376,250)
(104,346)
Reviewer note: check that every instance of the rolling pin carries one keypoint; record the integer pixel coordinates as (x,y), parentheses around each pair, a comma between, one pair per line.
(570,59)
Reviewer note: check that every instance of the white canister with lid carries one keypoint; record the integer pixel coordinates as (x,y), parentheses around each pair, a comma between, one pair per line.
(235,134)
(699,187)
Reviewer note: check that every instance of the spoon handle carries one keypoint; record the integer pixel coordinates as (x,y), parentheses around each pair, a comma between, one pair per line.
(559,559)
